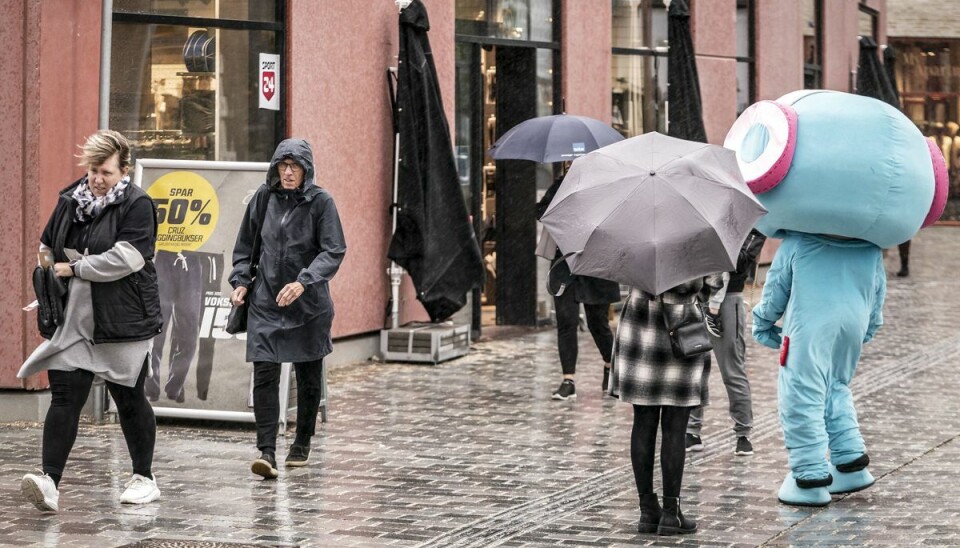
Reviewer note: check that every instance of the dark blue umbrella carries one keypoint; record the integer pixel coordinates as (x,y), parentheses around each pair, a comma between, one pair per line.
(557,138)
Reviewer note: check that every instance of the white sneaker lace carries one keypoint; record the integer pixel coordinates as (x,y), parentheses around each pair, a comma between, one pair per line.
(138,482)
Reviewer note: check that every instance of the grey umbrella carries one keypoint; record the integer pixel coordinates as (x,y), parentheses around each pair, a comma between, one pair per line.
(557,138)
(653,212)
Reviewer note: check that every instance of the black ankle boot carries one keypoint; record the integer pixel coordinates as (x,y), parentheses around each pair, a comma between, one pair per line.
(904,266)
(649,513)
(672,521)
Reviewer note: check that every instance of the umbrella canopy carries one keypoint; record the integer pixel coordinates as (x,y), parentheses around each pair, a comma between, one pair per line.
(557,138)
(653,212)
(683,90)
(434,239)
(872,80)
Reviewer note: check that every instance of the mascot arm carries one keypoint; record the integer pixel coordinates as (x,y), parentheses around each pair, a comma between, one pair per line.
(876,316)
(776,294)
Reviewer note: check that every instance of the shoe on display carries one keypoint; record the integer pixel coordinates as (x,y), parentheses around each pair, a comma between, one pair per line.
(41,491)
(744,447)
(266,466)
(298,455)
(140,490)
(694,443)
(566,391)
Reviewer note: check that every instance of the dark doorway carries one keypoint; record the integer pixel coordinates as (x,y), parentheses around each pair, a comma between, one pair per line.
(516,192)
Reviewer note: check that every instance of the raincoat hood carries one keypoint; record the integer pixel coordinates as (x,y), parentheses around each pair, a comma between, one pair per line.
(299,151)
(415,15)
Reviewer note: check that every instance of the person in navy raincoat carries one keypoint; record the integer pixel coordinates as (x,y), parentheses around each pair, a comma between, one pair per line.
(290,311)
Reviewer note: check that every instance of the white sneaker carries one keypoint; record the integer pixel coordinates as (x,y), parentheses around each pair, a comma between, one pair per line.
(140,490)
(41,491)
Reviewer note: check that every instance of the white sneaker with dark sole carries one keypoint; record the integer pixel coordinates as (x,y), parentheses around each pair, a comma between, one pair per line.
(41,491)
(140,490)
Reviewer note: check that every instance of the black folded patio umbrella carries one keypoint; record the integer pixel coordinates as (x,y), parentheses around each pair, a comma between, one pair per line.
(872,79)
(890,68)
(434,240)
(683,89)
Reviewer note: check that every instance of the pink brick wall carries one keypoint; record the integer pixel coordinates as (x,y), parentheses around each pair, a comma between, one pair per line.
(586,40)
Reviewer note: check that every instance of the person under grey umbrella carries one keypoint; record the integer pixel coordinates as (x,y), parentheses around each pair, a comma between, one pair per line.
(562,138)
(595,294)
(290,311)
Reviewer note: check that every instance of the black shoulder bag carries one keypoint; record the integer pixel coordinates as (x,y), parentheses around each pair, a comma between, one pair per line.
(237,320)
(688,333)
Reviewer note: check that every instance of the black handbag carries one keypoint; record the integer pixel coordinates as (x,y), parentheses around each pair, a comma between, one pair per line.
(687,330)
(51,299)
(237,320)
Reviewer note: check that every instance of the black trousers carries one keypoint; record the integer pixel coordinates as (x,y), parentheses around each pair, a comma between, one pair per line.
(69,391)
(266,401)
(180,280)
(568,319)
(673,449)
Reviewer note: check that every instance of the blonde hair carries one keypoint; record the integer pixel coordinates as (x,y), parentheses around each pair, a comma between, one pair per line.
(103,144)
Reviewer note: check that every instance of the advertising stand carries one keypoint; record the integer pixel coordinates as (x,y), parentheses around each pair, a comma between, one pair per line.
(199,370)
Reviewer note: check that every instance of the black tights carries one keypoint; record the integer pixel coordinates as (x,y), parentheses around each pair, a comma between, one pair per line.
(266,401)
(69,391)
(673,450)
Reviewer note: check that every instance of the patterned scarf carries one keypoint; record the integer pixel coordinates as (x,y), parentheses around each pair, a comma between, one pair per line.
(89,206)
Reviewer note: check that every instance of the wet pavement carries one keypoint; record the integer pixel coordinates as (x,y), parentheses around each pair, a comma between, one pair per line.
(474,452)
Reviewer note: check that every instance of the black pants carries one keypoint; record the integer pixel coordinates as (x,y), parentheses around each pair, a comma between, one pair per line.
(180,280)
(673,450)
(69,391)
(568,319)
(266,401)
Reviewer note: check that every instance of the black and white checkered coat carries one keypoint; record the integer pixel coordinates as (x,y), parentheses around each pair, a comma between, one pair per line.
(645,371)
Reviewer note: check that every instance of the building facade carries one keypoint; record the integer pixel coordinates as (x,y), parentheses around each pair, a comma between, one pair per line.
(183,79)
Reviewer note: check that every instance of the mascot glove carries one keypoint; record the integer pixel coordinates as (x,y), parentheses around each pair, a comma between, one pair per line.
(768,336)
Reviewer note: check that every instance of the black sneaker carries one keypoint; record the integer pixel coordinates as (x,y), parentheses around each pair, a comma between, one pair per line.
(694,443)
(266,466)
(744,447)
(606,379)
(566,391)
(299,455)
(714,326)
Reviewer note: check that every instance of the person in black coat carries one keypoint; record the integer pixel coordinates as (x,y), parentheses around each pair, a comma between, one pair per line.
(290,313)
(569,292)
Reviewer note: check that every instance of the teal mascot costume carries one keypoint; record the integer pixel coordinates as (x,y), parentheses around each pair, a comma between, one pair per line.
(843,176)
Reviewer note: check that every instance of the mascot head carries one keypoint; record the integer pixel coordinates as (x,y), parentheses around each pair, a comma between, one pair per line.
(827,162)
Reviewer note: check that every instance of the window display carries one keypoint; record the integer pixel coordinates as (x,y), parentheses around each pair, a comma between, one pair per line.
(190,91)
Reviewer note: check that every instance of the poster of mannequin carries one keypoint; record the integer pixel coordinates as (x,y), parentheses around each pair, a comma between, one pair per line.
(196,364)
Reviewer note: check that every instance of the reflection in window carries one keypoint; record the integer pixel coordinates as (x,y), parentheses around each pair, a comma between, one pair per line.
(244,10)
(510,19)
(745,62)
(639,75)
(812,44)
(184,92)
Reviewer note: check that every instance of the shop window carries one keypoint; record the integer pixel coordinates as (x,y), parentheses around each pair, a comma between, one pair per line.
(812,43)
(185,78)
(867,22)
(928,72)
(746,90)
(508,19)
(639,66)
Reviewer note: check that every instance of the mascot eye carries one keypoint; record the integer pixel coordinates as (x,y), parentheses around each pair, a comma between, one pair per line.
(941,182)
(764,138)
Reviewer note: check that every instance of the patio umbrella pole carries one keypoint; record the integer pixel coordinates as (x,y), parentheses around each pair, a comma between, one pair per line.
(395,272)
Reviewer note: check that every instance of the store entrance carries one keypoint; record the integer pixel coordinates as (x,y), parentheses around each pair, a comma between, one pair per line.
(497,89)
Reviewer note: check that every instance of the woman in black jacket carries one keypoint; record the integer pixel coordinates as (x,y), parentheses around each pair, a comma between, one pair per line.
(101,240)
(290,311)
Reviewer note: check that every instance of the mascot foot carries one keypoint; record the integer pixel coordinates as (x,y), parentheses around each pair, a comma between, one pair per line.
(813,493)
(851,477)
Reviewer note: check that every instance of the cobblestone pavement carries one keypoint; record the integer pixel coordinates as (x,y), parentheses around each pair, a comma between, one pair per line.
(475,453)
